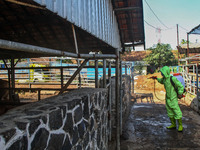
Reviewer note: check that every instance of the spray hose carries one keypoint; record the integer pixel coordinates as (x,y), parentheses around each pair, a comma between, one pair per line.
(155,91)
(155,77)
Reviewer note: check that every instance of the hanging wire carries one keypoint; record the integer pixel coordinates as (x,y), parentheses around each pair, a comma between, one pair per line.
(150,24)
(169,28)
(183,28)
(161,21)
(156,15)
(157,28)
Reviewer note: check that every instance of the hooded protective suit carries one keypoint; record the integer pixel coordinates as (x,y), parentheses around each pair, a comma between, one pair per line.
(173,109)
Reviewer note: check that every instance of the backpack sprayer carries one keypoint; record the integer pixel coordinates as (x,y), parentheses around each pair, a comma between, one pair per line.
(179,77)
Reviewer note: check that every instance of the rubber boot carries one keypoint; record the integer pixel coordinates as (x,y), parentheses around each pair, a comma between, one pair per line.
(173,124)
(180,126)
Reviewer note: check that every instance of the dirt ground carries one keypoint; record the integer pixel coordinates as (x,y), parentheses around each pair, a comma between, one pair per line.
(142,84)
(145,128)
(32,96)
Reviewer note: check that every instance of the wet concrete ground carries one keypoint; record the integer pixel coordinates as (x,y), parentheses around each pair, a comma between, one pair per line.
(146,129)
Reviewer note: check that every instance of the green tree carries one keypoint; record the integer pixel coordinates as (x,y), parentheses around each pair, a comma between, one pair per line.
(160,56)
(139,67)
(184,41)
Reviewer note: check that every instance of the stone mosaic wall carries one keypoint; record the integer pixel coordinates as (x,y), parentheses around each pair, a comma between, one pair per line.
(76,120)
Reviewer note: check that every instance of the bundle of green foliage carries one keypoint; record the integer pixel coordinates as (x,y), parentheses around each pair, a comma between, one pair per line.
(161,56)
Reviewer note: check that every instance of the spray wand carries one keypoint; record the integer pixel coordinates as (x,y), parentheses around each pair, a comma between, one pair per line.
(152,77)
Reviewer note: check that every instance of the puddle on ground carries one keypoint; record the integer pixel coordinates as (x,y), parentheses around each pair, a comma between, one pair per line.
(146,129)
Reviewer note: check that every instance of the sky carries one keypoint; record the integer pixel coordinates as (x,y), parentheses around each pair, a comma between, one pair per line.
(185,13)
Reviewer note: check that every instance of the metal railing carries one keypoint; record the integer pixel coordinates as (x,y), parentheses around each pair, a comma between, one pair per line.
(191,76)
(59,75)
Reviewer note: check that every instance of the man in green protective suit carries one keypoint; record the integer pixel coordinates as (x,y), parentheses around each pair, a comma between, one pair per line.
(173,109)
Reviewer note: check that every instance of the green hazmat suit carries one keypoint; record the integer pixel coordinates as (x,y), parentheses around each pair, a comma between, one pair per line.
(171,97)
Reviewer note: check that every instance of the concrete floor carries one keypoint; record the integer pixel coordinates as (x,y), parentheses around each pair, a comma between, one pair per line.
(145,129)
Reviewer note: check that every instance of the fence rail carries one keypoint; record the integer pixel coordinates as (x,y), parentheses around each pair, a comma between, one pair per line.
(191,76)
(57,75)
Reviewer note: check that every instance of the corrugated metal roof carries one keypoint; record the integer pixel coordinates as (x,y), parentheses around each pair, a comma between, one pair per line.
(49,24)
(94,16)
(195,30)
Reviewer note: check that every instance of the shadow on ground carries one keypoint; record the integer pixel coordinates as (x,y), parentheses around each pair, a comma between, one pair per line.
(145,128)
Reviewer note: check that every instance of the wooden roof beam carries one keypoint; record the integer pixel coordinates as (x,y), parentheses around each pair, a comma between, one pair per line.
(127,9)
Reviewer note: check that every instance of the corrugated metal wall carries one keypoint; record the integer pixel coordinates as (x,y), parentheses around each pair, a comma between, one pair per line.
(95,16)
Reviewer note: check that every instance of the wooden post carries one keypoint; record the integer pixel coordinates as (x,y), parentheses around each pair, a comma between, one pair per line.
(197,82)
(104,73)
(117,101)
(109,100)
(12,78)
(188,47)
(178,43)
(9,81)
(120,95)
(77,52)
(132,76)
(39,94)
(125,69)
(61,76)
(96,74)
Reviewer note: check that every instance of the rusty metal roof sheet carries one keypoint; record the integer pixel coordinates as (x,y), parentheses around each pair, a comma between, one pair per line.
(130,19)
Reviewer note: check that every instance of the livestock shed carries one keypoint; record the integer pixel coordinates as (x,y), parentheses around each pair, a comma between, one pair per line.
(190,47)
(99,25)
(71,28)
